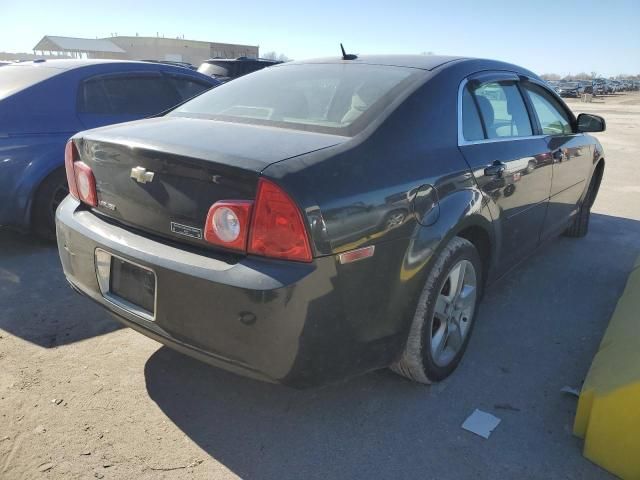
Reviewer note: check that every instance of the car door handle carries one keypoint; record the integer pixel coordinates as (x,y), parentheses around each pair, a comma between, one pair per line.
(559,156)
(495,170)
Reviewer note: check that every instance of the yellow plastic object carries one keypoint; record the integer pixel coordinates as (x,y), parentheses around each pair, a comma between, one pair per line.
(608,416)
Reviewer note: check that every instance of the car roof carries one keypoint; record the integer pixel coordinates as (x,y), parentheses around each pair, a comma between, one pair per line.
(423,62)
(70,64)
(241,60)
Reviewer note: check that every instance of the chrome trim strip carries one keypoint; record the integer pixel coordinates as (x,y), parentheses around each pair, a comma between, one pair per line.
(103,274)
(501,139)
(463,84)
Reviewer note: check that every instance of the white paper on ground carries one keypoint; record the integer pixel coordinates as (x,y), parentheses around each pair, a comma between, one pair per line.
(481,423)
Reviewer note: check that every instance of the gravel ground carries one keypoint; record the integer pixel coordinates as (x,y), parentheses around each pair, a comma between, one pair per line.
(81,397)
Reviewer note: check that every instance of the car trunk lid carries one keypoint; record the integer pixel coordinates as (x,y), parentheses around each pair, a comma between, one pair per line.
(162,175)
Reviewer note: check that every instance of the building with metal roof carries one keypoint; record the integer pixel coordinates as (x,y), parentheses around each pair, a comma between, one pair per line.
(79,47)
(142,48)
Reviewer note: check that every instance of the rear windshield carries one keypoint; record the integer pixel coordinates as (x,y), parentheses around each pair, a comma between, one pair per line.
(222,69)
(231,69)
(328,98)
(14,78)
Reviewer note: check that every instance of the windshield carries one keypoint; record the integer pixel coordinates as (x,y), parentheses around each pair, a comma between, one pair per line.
(14,78)
(329,98)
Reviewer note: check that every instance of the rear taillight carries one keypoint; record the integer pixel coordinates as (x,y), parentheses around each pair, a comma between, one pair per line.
(277,228)
(272,226)
(71,156)
(228,224)
(82,183)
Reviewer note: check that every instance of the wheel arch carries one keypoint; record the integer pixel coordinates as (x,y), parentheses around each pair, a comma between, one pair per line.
(480,237)
(476,224)
(464,214)
(598,173)
(32,178)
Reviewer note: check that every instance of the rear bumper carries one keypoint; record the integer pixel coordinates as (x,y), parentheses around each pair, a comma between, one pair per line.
(276,321)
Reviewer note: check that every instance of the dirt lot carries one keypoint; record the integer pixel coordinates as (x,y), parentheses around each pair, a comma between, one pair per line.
(81,397)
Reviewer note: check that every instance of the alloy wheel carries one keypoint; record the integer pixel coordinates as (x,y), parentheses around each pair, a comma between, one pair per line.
(453,312)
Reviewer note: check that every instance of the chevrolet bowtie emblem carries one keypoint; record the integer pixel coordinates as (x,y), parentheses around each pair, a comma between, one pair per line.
(140,175)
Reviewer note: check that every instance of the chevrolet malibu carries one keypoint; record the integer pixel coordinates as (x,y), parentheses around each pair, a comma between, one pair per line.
(320,219)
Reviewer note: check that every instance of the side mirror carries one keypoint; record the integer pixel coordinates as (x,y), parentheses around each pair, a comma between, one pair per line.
(591,123)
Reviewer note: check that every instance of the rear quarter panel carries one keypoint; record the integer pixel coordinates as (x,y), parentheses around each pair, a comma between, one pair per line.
(25,162)
(372,176)
(35,124)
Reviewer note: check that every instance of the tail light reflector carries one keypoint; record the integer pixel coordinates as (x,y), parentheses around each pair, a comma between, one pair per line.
(227,224)
(85,184)
(277,228)
(357,254)
(82,183)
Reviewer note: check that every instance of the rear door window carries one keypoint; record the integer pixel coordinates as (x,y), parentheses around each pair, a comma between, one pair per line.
(502,110)
(553,118)
(133,94)
(471,122)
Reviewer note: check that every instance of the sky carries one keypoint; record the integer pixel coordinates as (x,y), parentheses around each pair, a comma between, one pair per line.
(545,36)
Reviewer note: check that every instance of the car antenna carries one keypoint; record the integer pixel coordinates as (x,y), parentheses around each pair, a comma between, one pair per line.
(347,56)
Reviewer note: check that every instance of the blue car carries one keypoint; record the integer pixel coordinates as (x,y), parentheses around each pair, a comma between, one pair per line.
(44,102)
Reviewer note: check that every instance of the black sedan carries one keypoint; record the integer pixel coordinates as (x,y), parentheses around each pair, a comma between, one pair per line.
(320,219)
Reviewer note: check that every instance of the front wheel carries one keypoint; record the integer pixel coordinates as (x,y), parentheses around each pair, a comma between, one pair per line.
(445,314)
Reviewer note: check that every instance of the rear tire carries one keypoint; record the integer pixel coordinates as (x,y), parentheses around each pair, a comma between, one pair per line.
(51,192)
(580,226)
(444,317)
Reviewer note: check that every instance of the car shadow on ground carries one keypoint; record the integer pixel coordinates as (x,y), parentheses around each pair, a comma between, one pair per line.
(524,349)
(260,430)
(36,302)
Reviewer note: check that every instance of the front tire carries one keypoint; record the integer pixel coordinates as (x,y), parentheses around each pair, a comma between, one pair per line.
(444,317)
(51,192)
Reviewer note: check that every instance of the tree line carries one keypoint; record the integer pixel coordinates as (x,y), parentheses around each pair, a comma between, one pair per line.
(275,56)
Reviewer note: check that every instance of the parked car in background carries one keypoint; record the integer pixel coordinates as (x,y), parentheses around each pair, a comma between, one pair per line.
(43,103)
(569,89)
(586,87)
(600,87)
(554,84)
(320,219)
(608,87)
(175,63)
(225,69)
